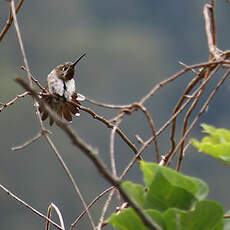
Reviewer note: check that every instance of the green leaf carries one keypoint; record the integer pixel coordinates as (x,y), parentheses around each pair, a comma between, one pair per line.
(217,144)
(136,191)
(207,215)
(203,189)
(192,185)
(162,195)
(129,220)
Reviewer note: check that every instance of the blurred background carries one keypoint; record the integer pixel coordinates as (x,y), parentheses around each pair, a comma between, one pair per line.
(131,46)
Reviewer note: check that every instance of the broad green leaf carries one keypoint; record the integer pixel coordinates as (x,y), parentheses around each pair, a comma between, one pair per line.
(203,189)
(192,185)
(129,220)
(162,195)
(217,144)
(136,191)
(207,215)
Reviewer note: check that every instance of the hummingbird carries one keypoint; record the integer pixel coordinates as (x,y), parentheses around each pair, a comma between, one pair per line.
(61,96)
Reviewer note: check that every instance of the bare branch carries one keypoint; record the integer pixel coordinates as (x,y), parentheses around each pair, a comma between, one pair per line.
(152,126)
(35,80)
(29,207)
(203,109)
(69,175)
(145,145)
(9,21)
(4,105)
(107,203)
(191,109)
(109,106)
(20,40)
(27,142)
(182,155)
(50,208)
(111,125)
(73,225)
(211,31)
(176,75)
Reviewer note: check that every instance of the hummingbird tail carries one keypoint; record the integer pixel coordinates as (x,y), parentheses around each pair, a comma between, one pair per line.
(63,108)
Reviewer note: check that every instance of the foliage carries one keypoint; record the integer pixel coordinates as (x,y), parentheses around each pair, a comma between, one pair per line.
(217,144)
(172,200)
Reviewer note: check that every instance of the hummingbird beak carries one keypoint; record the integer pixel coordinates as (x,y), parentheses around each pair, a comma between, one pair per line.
(75,63)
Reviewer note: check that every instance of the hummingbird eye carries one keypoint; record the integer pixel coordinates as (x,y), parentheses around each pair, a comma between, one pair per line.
(65,68)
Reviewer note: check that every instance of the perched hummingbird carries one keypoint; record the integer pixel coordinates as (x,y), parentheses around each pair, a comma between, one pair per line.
(62,96)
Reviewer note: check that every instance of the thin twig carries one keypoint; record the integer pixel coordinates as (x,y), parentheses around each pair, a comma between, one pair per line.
(112,148)
(109,106)
(159,85)
(188,89)
(69,175)
(183,154)
(186,66)
(9,21)
(191,109)
(211,31)
(112,143)
(152,126)
(50,208)
(179,110)
(73,225)
(29,207)
(114,171)
(139,139)
(107,203)
(175,76)
(35,80)
(4,105)
(27,142)
(20,40)
(146,143)
(213,22)
(111,125)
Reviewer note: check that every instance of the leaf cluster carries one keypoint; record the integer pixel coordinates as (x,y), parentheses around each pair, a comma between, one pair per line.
(173,201)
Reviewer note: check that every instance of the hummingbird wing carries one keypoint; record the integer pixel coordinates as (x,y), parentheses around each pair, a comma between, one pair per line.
(63,108)
(73,109)
(66,112)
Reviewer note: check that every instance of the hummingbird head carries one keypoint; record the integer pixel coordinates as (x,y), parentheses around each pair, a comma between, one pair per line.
(66,71)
